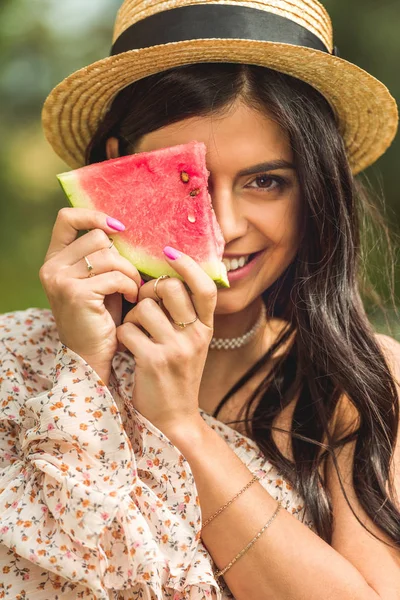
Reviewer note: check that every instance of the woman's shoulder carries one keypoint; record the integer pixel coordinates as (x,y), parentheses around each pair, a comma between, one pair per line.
(391,350)
(26,321)
(347,417)
(31,337)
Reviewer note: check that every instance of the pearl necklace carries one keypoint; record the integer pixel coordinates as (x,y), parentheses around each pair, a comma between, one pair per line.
(238,342)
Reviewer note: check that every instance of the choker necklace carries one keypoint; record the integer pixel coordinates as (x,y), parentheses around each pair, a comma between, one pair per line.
(238,342)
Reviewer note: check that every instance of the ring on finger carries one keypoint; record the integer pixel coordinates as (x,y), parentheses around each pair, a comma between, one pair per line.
(183,325)
(89,267)
(156,284)
(89,264)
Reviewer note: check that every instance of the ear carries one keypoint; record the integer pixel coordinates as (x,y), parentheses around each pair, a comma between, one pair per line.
(112,148)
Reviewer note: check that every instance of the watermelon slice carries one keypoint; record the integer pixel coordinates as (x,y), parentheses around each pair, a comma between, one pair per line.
(162,198)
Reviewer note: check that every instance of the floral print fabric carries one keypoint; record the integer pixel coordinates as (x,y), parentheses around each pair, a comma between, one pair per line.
(96,502)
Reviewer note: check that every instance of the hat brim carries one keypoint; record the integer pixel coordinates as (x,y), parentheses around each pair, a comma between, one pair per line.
(367,113)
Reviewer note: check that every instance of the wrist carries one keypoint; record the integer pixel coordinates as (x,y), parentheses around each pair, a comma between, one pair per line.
(188,435)
(104,372)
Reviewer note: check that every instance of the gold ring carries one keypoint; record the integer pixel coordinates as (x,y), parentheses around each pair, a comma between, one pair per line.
(183,325)
(156,284)
(112,244)
(89,267)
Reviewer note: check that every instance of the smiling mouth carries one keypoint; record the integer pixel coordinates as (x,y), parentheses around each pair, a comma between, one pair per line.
(235,268)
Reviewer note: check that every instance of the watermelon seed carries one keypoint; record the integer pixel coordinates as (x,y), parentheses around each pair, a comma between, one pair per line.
(185,177)
(195,192)
(191,219)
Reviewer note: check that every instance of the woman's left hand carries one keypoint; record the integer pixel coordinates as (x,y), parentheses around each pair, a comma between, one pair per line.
(169,363)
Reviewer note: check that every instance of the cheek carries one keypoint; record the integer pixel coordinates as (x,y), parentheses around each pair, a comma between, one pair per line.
(282,226)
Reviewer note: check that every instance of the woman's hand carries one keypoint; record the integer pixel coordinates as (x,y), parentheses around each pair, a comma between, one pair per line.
(87,310)
(170,360)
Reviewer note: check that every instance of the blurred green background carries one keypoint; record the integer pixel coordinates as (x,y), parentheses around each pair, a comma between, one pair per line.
(43,41)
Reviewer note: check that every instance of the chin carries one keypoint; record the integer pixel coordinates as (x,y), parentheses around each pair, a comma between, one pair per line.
(232,305)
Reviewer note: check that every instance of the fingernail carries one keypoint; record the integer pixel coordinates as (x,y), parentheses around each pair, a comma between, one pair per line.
(115,224)
(172,253)
(142,282)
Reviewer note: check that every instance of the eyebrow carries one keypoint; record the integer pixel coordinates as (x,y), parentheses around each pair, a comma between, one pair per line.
(267,166)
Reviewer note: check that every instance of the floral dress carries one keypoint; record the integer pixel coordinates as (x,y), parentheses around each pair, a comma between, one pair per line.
(96,502)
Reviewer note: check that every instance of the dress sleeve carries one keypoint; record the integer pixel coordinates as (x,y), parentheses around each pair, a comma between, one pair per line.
(77,501)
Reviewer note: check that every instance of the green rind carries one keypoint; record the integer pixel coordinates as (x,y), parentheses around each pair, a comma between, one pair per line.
(148,266)
(72,189)
(153,267)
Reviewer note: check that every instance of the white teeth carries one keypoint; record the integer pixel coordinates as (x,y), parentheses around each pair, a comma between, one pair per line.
(235,263)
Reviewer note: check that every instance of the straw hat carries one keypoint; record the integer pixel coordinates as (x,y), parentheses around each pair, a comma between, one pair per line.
(291,36)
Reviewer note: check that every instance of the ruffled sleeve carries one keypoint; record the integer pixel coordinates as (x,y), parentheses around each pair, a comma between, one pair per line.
(80,499)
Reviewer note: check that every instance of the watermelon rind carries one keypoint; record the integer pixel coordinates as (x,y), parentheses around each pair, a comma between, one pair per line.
(73,190)
(148,266)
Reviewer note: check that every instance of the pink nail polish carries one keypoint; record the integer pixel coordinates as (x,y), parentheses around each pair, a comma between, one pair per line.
(172,253)
(115,224)
(142,282)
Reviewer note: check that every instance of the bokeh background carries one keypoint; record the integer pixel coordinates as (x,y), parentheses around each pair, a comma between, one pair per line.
(43,41)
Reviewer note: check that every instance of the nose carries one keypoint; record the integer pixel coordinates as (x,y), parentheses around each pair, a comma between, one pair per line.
(229,212)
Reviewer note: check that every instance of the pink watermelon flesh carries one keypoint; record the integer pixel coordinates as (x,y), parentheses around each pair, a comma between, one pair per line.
(147,192)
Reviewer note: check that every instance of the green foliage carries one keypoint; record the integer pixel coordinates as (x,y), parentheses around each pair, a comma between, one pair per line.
(42,42)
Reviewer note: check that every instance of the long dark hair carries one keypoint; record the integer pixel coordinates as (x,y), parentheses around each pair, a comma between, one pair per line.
(334,352)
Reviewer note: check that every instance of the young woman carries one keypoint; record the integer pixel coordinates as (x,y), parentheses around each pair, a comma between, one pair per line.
(143,459)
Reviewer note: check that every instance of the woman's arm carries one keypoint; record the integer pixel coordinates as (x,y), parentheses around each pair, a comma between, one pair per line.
(71,502)
(83,507)
(288,561)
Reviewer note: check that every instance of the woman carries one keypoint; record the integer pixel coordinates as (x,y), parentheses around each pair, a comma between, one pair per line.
(145,460)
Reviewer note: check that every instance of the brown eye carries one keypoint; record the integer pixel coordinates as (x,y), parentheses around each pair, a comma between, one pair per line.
(268,183)
(265,182)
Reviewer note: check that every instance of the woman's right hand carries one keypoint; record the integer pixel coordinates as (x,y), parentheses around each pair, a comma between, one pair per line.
(87,310)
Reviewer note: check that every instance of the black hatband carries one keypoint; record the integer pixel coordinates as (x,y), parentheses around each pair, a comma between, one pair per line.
(215,21)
